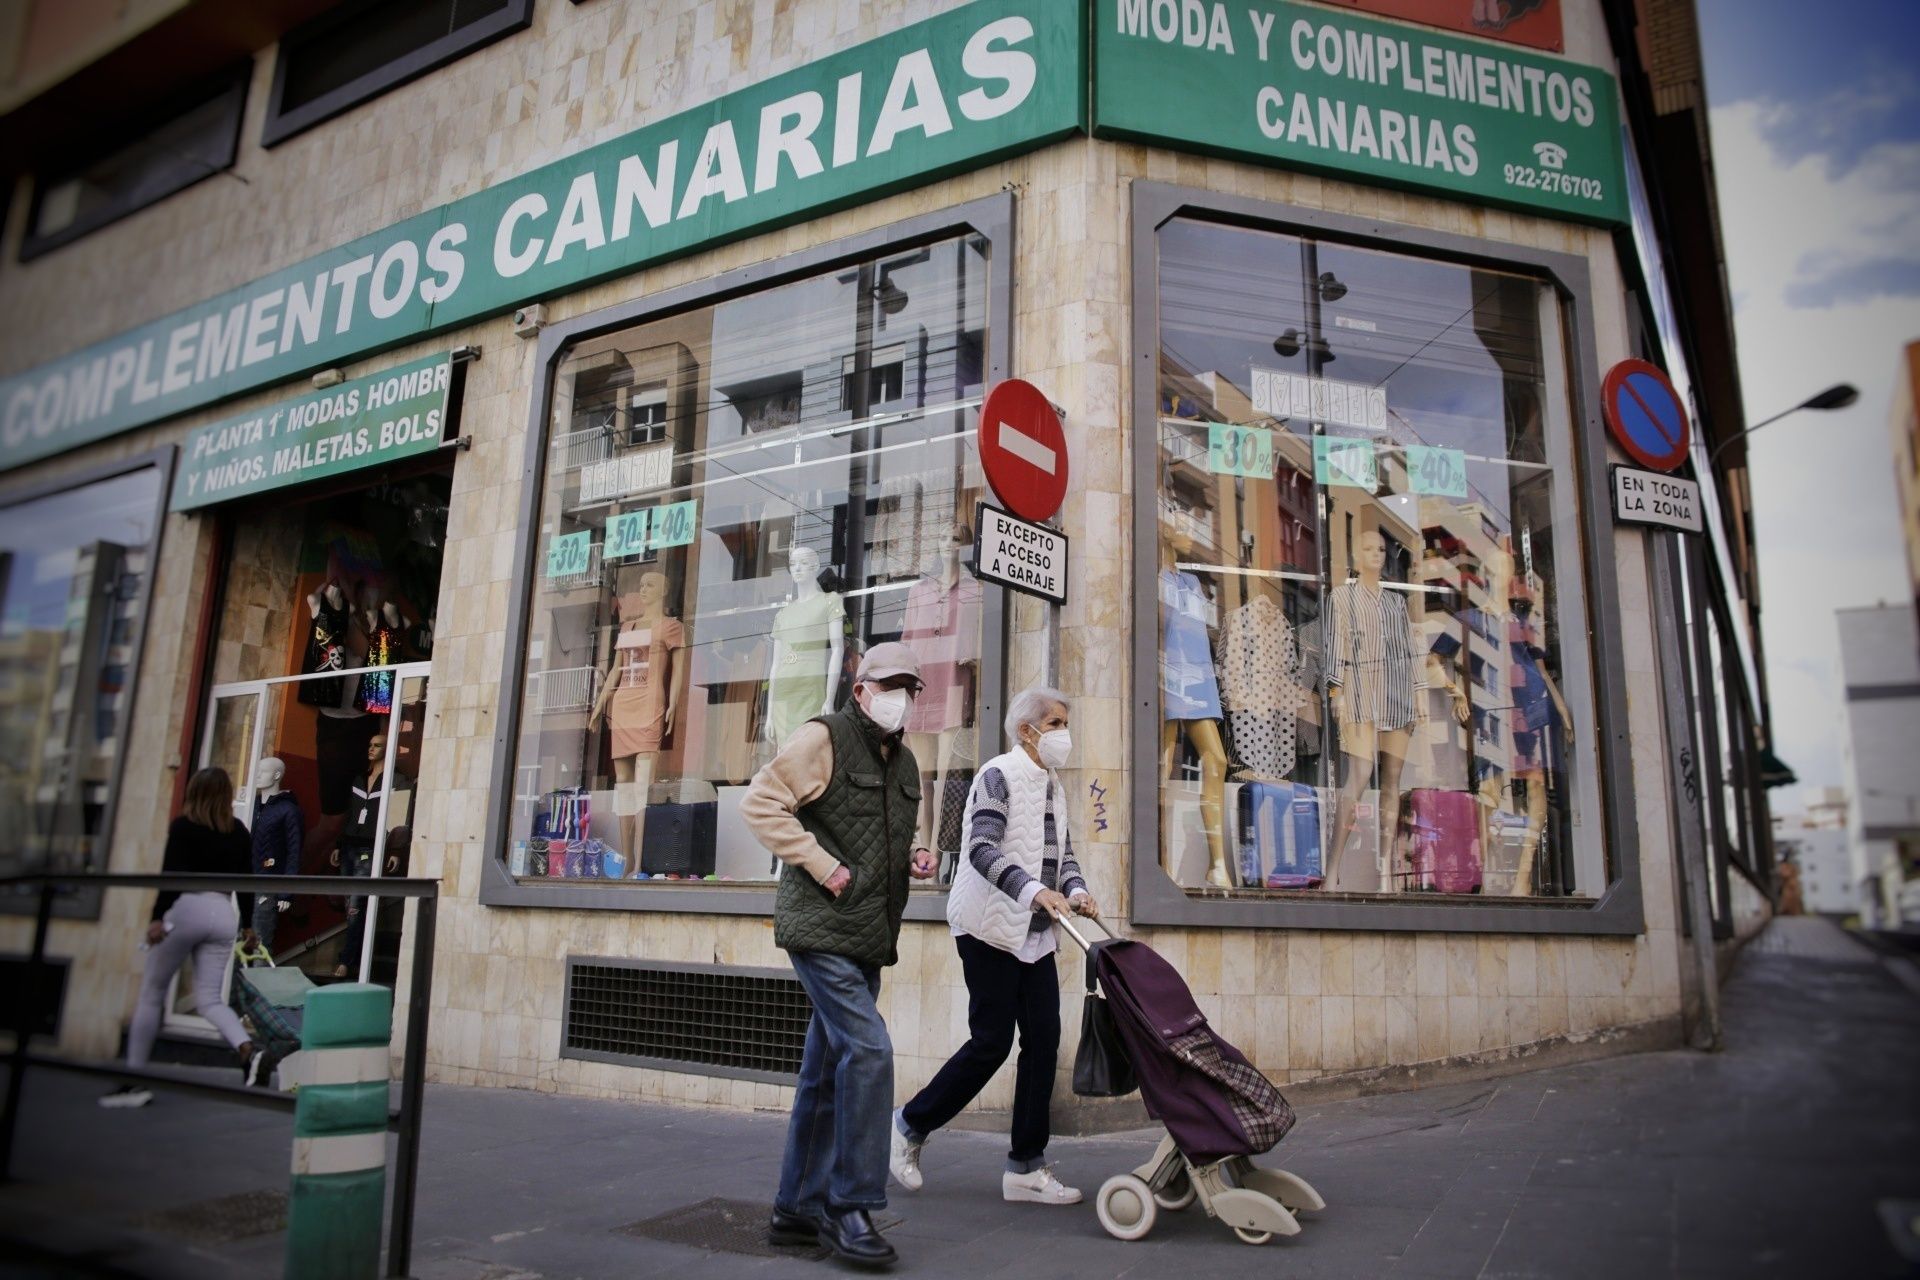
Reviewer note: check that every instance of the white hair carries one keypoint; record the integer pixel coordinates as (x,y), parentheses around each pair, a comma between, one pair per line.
(1030,706)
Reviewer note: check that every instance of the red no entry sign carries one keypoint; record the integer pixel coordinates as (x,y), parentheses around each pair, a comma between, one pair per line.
(1023,450)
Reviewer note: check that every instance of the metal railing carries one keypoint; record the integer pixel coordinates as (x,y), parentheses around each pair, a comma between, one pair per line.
(404,1121)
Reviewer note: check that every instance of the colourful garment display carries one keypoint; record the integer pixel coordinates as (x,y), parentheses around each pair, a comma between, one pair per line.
(804,629)
(1189,690)
(942,628)
(376,687)
(639,709)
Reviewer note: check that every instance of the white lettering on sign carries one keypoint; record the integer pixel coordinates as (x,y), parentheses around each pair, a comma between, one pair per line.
(1021,555)
(1648,497)
(1342,404)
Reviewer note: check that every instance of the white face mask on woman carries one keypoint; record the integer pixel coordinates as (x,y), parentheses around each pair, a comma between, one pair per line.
(888,709)
(1053,747)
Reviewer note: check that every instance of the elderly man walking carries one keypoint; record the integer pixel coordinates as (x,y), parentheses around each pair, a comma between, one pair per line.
(839,807)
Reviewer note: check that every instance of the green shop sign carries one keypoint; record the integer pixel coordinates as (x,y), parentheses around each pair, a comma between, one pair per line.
(361,423)
(1311,87)
(957,91)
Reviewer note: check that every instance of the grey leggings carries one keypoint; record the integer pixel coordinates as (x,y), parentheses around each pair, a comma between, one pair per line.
(204,926)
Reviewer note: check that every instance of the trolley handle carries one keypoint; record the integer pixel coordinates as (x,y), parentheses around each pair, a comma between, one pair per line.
(1065,921)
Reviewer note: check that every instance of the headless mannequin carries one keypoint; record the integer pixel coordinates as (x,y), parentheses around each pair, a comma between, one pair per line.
(937,748)
(1496,792)
(333,597)
(803,566)
(1367,745)
(1204,736)
(641,610)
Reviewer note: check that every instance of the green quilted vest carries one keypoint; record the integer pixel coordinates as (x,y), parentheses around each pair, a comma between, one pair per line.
(866,818)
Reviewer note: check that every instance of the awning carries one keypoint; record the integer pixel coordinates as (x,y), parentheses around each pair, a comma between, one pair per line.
(1774,771)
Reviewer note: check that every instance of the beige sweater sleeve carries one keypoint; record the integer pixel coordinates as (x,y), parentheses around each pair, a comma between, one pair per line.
(796,777)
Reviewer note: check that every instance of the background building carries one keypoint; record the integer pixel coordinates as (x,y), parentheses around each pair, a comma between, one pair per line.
(1904,423)
(1816,842)
(1880,663)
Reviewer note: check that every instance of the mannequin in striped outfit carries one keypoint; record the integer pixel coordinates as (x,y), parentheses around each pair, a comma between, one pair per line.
(1375,685)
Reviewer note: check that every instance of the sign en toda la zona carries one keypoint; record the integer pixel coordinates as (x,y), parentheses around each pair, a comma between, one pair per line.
(361,423)
(1310,87)
(984,81)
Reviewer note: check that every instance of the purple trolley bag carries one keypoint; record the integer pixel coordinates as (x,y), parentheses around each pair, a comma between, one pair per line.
(1214,1103)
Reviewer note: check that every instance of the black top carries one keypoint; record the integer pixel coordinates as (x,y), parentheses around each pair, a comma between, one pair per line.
(192,847)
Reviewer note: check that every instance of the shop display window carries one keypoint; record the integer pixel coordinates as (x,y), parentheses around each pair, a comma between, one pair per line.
(75,571)
(737,501)
(1371,674)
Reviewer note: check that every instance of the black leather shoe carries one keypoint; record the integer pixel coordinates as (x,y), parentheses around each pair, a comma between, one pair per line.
(851,1236)
(792,1229)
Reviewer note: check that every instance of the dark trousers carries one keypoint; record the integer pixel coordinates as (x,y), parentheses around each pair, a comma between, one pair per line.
(1004,993)
(356,859)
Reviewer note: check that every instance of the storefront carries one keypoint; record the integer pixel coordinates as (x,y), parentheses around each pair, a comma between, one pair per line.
(1369,699)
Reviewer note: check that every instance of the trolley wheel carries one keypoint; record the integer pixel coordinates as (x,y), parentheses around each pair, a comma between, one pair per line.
(1126,1206)
(1178,1194)
(1252,1237)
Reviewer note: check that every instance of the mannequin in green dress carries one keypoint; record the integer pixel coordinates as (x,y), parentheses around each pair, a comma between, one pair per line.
(808,642)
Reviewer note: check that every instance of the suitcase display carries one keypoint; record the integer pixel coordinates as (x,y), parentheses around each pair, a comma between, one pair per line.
(1443,842)
(679,839)
(1280,844)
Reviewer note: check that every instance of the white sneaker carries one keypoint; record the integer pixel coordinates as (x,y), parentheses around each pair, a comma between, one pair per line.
(1038,1187)
(126,1096)
(903,1157)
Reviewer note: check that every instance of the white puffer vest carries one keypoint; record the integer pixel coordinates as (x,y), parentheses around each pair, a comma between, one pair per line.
(976,907)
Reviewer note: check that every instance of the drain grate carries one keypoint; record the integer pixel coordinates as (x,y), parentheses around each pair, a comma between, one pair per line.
(221,1221)
(726,1226)
(751,1023)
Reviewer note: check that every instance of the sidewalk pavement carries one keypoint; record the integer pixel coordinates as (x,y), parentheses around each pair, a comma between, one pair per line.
(1786,1155)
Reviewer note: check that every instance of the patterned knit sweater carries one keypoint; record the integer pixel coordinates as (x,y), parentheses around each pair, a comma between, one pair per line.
(1017,843)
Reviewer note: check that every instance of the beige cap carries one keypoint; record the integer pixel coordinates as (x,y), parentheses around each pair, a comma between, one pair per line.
(884,661)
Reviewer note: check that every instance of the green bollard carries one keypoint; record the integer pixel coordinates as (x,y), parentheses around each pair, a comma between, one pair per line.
(340,1135)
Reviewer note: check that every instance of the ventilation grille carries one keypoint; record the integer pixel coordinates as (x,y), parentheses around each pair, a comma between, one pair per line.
(750,1023)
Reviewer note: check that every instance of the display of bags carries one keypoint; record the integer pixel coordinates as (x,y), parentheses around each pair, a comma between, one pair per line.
(678,839)
(1280,836)
(567,814)
(1443,842)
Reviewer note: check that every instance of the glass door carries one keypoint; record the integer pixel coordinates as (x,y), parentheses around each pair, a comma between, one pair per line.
(375,955)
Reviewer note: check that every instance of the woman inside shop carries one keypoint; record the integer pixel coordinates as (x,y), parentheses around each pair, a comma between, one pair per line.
(205,838)
(1017,875)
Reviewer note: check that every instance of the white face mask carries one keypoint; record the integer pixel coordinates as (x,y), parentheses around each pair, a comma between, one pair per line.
(888,709)
(1053,747)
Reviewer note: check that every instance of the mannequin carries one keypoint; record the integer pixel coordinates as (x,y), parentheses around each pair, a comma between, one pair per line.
(1542,726)
(1259,674)
(385,627)
(1190,701)
(326,646)
(640,695)
(809,641)
(1378,693)
(942,628)
(277,826)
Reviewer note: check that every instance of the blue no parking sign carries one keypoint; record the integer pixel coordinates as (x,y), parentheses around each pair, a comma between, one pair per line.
(1645,415)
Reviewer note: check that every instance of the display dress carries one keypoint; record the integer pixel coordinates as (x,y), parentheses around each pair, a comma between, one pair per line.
(1535,717)
(804,629)
(1259,676)
(326,651)
(942,627)
(1188,687)
(376,687)
(639,709)
(1370,655)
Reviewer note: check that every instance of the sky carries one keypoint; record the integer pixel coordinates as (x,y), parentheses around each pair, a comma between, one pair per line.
(1815,118)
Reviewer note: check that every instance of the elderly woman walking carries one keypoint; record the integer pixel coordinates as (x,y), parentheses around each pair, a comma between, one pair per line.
(1017,875)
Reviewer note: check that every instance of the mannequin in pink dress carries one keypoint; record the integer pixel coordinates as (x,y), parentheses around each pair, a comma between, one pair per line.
(639,697)
(943,629)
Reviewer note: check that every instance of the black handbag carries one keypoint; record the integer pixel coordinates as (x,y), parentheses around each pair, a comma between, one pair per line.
(679,839)
(1101,1068)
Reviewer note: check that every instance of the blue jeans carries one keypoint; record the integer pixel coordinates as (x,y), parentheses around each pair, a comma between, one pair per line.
(837,1139)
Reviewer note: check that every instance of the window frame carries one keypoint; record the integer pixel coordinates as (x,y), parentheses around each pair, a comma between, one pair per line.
(991,219)
(1156,900)
(282,123)
(85,903)
(234,81)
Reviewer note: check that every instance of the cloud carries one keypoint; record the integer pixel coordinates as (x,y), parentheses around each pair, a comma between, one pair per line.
(1820,284)
(1842,127)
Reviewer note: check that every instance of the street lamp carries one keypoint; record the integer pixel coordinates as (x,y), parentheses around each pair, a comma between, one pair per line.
(1837,396)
